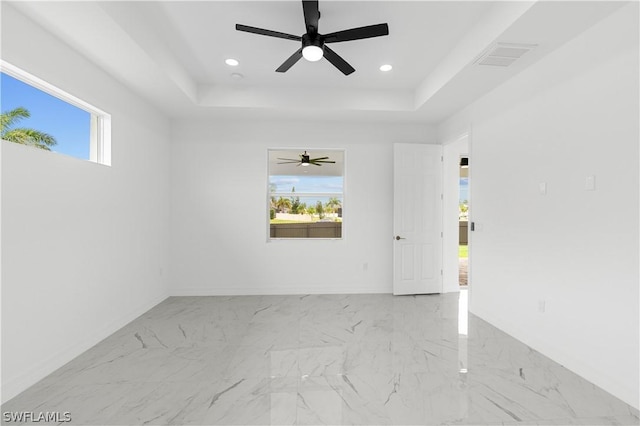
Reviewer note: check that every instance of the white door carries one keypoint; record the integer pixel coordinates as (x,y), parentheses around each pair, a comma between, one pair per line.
(417,219)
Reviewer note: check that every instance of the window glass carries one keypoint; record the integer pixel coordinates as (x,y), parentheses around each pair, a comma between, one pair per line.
(306,193)
(37,114)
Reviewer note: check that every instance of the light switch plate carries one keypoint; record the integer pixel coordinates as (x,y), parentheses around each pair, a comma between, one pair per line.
(590,183)
(542,188)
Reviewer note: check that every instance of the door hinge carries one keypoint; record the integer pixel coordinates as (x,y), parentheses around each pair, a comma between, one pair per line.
(440,271)
(441,234)
(442,196)
(442,159)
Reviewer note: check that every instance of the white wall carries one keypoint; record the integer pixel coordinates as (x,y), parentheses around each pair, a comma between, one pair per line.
(572,115)
(82,244)
(219,212)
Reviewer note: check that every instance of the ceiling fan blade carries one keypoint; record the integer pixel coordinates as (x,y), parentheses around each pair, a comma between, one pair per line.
(289,62)
(357,33)
(322,161)
(311,15)
(337,61)
(261,31)
(288,162)
(288,159)
(319,158)
(315,164)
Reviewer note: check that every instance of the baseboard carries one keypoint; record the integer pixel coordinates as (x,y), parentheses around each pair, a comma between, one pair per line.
(271,291)
(567,360)
(15,385)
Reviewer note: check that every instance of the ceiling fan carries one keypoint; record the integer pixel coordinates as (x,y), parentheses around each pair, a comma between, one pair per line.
(305,160)
(314,44)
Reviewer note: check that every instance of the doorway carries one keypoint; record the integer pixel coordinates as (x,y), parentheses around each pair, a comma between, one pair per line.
(453,152)
(463,222)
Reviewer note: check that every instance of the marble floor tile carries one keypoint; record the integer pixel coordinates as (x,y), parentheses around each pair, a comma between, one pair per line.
(317,359)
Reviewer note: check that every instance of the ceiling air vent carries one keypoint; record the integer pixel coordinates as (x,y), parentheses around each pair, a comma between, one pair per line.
(503,54)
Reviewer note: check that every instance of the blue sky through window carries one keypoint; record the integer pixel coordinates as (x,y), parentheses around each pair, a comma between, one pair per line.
(464,189)
(307,185)
(68,124)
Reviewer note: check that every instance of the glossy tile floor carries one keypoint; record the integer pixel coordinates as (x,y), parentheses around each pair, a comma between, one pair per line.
(339,359)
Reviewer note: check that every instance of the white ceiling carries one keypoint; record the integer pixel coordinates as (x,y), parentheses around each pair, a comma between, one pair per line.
(442,24)
(172,53)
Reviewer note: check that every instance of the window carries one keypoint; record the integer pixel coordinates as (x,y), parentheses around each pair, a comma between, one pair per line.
(38,114)
(306,193)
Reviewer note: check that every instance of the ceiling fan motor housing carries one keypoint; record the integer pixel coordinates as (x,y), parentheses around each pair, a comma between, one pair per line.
(307,40)
(312,47)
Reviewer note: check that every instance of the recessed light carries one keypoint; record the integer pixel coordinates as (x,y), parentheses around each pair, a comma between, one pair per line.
(232,62)
(386,67)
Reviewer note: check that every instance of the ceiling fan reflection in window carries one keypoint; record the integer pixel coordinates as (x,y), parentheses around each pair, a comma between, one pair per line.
(305,160)
(314,45)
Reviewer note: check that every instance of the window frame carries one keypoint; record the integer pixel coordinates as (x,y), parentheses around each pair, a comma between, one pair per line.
(100,121)
(343,194)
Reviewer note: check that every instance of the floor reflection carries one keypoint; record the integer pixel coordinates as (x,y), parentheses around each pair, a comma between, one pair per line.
(463,330)
(318,359)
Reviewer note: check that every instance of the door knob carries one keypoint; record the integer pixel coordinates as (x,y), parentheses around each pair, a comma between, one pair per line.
(398,238)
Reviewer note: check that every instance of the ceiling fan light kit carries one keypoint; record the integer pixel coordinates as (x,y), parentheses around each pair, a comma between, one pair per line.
(314,45)
(312,49)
